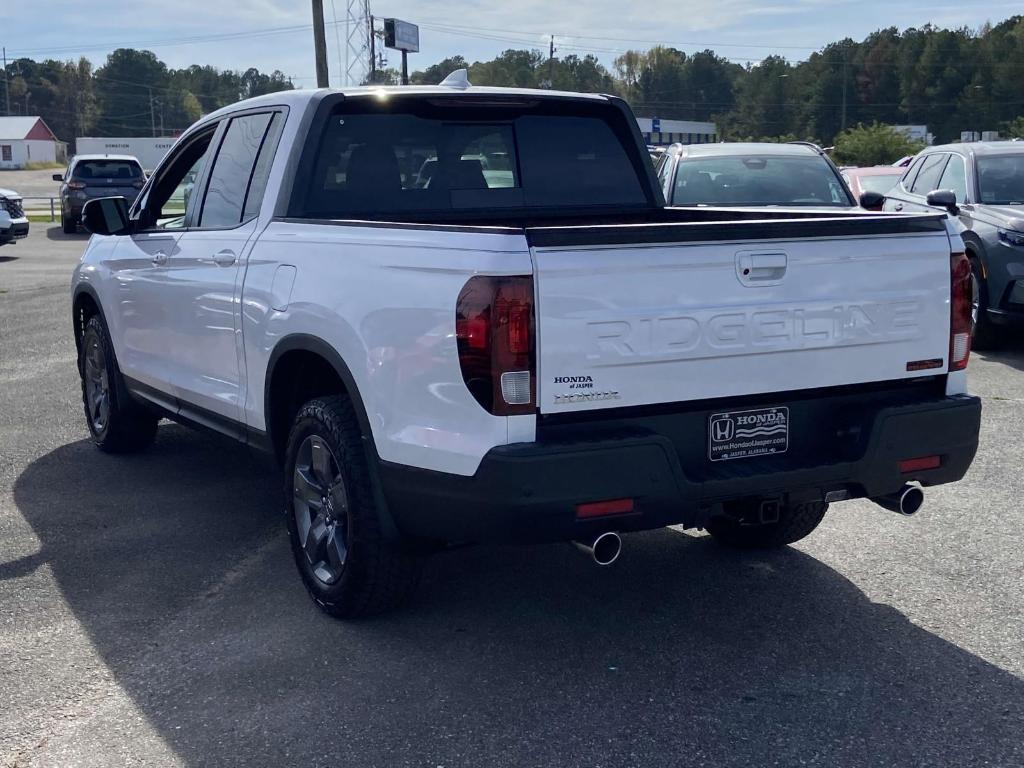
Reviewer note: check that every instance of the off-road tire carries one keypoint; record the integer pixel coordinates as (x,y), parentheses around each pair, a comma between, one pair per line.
(127,426)
(795,522)
(378,573)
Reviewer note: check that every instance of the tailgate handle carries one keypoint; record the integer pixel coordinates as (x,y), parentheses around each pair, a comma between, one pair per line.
(761,268)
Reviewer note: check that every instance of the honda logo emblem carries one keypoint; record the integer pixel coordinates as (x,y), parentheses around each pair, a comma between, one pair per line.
(722,429)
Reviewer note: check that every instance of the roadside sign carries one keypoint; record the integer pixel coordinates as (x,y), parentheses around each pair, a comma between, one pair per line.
(401,35)
(655,125)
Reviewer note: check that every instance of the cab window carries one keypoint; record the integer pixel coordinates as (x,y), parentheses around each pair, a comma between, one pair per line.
(955,178)
(167,203)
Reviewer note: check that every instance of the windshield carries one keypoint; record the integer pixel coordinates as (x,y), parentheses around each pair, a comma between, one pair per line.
(880,183)
(758,181)
(108,169)
(1001,179)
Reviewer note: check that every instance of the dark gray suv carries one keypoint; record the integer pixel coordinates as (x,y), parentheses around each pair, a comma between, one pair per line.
(987,179)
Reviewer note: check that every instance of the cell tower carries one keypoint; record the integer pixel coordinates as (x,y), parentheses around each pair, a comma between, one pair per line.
(357,48)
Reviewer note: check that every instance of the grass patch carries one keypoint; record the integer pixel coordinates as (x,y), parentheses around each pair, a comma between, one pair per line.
(43,218)
(33,166)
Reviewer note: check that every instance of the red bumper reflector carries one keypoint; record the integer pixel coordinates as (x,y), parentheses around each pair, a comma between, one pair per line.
(602,508)
(922,462)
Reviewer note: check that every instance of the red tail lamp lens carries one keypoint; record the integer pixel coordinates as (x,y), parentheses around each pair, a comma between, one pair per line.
(494,326)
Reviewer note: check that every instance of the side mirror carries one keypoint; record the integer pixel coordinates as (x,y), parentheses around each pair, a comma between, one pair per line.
(58,177)
(943,198)
(106,216)
(872,201)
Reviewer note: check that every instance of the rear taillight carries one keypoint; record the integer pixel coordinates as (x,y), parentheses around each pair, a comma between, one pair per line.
(76,185)
(961,324)
(494,327)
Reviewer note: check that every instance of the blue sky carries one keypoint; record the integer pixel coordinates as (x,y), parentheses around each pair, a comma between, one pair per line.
(272,34)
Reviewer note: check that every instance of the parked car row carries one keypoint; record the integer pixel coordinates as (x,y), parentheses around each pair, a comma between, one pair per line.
(980,184)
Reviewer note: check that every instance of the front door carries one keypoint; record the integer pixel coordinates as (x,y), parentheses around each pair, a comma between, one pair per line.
(202,333)
(142,306)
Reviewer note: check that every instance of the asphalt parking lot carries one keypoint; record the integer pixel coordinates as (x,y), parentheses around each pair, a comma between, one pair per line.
(150,613)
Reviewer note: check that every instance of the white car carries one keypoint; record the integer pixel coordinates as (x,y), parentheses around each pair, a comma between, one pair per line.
(13,221)
(557,358)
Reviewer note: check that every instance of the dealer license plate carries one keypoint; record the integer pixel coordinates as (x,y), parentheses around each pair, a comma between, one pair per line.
(744,434)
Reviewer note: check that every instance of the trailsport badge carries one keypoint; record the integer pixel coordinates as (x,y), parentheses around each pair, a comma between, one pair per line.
(741,434)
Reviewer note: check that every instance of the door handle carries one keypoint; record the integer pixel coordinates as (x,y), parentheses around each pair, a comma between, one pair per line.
(159,259)
(224,258)
(898,206)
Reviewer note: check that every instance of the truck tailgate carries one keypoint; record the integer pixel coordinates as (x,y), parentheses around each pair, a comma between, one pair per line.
(635,315)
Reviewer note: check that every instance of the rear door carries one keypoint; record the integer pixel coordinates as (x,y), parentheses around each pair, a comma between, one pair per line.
(647,314)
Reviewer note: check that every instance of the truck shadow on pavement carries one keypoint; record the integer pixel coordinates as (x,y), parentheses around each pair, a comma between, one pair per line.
(176,564)
(1009,352)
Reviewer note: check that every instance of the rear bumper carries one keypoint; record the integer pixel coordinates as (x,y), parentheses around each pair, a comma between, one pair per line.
(1013,317)
(529,492)
(16,231)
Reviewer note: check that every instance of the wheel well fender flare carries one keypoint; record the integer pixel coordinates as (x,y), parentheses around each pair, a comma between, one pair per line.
(308,343)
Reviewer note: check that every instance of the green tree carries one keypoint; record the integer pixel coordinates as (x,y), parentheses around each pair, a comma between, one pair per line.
(435,73)
(874,144)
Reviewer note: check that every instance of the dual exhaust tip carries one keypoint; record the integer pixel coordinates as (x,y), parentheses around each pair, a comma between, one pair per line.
(606,547)
(603,550)
(906,501)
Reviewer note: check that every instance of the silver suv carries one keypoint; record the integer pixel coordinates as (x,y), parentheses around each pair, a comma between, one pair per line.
(982,184)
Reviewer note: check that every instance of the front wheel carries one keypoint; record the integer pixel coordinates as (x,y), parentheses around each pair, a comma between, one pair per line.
(117,424)
(795,522)
(349,567)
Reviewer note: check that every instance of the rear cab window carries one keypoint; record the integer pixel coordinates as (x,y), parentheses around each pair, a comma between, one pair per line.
(442,158)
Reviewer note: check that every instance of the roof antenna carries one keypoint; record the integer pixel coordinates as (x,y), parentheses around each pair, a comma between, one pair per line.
(457,79)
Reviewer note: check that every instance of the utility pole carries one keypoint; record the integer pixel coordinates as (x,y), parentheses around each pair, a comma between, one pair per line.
(842,121)
(551,63)
(373,52)
(152,113)
(7,86)
(320,44)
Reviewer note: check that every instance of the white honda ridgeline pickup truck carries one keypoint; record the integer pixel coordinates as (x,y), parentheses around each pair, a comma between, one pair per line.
(460,314)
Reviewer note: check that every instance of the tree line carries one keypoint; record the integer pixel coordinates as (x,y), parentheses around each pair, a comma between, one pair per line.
(951,80)
(132,94)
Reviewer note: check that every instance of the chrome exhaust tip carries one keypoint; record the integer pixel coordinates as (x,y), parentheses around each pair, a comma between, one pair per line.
(907,501)
(604,550)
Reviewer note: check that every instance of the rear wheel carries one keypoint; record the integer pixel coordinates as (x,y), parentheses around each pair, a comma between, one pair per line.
(985,334)
(68,224)
(117,423)
(795,522)
(347,564)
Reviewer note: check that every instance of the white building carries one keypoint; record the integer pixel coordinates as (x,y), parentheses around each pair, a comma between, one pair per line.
(915,133)
(148,151)
(664,132)
(28,140)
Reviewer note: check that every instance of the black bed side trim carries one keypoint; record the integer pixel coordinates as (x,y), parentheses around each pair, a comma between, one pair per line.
(733,231)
